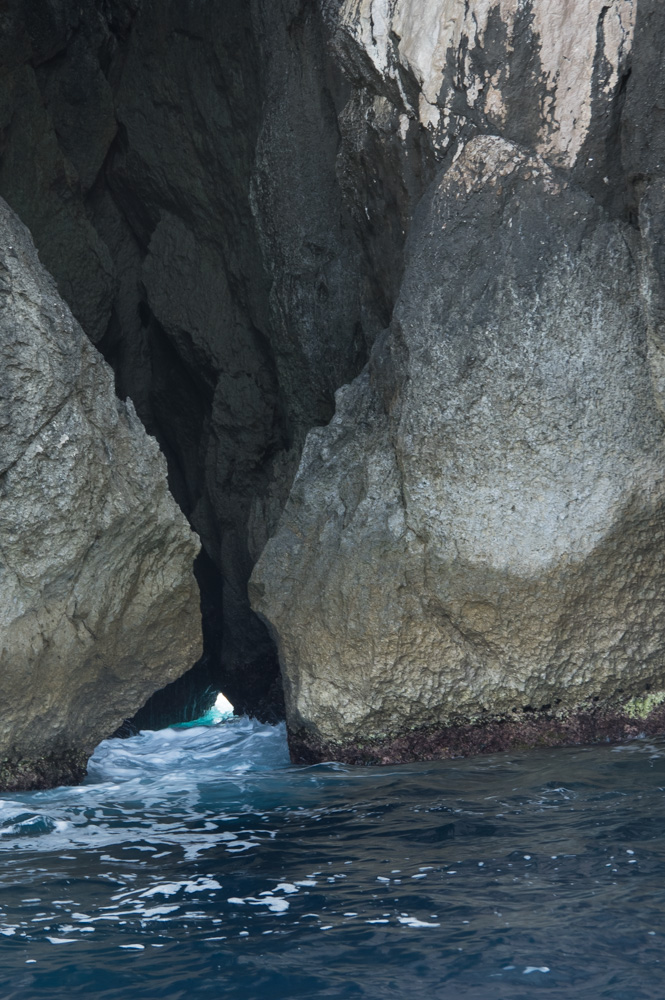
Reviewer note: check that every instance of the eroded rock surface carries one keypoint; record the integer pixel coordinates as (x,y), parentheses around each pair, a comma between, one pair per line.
(98,603)
(533,66)
(176,164)
(480,529)
(224,194)
(476,539)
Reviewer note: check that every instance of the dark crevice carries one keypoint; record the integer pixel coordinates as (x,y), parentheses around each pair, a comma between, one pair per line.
(192,695)
(234,127)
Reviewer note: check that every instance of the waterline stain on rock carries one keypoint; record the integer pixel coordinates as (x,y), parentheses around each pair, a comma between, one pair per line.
(535,730)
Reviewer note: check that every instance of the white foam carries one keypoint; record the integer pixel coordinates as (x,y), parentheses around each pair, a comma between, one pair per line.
(414,922)
(277,905)
(153,911)
(165,773)
(165,889)
(223,705)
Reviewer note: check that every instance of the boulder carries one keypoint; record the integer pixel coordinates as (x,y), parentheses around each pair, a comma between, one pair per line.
(98,603)
(476,540)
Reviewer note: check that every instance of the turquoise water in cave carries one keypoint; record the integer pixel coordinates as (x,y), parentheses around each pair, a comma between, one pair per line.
(196,862)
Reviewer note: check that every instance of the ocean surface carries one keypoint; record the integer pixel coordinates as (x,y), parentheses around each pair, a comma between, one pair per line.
(196,862)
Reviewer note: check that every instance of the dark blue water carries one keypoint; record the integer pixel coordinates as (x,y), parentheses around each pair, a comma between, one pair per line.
(198,863)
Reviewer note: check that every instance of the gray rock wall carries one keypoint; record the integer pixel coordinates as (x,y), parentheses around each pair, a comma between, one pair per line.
(480,528)
(98,603)
(476,538)
(233,198)
(177,166)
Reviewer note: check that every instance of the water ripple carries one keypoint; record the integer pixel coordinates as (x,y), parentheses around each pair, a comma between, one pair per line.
(198,862)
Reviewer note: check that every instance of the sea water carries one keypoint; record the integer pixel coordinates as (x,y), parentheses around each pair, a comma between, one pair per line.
(197,862)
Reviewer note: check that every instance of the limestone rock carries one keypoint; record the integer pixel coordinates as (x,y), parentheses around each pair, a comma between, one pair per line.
(531,67)
(480,530)
(98,603)
(223,194)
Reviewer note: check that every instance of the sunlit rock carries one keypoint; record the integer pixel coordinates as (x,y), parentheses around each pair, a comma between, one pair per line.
(486,57)
(479,532)
(98,604)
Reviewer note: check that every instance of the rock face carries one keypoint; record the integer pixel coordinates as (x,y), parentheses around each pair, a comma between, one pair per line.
(476,539)
(176,164)
(247,205)
(481,527)
(98,603)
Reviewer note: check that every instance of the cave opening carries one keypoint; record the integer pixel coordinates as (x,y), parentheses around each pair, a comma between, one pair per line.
(213,229)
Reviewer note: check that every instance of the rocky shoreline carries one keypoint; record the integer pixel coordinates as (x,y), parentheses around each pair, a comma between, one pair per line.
(368,296)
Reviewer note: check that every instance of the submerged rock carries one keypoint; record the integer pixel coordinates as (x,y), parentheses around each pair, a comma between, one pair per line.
(98,603)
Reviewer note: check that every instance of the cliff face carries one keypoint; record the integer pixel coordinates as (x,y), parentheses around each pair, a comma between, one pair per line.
(453,210)
(472,550)
(479,530)
(176,164)
(99,604)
